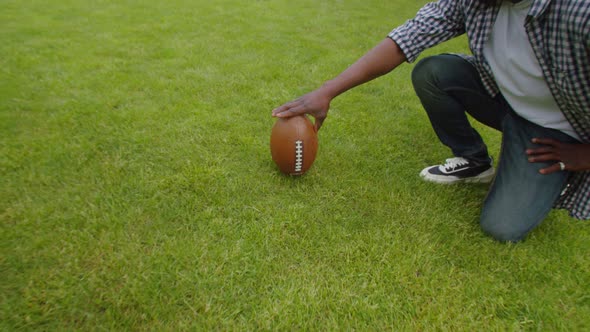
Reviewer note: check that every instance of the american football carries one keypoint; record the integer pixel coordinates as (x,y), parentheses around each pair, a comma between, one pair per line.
(293,144)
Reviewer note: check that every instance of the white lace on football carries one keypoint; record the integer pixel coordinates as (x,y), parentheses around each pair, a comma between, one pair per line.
(453,163)
(298,156)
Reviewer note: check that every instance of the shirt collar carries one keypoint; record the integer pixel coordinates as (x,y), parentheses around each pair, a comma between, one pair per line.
(539,7)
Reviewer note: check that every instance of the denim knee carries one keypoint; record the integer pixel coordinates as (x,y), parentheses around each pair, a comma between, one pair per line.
(504,221)
(434,70)
(424,72)
(501,231)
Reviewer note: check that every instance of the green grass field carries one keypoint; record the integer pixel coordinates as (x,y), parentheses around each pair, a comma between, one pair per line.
(138,192)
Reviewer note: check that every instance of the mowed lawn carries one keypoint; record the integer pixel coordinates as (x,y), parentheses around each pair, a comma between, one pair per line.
(137,190)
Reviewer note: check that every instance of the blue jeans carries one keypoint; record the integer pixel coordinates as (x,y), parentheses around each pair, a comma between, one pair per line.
(520,197)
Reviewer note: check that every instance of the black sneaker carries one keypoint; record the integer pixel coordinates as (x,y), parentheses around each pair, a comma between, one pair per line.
(459,170)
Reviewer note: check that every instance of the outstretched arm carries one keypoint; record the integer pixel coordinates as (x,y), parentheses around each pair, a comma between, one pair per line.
(379,61)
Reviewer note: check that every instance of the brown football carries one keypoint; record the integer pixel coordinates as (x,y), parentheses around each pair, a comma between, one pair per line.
(293,144)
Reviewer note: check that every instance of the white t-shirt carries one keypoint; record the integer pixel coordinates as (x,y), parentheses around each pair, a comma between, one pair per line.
(517,71)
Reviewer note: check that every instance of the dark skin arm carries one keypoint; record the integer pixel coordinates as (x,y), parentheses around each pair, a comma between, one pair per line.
(576,157)
(379,61)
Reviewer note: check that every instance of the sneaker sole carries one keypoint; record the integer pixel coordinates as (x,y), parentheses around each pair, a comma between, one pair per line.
(484,177)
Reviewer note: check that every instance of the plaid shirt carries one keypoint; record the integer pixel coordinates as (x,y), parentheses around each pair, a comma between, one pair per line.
(559,32)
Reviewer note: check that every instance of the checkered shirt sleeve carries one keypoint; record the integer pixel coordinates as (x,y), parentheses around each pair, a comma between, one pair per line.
(435,23)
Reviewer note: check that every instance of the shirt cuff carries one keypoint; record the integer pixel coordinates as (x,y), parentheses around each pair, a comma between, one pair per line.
(400,37)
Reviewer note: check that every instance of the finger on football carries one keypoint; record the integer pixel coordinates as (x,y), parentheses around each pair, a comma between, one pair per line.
(289,112)
(318,123)
(282,108)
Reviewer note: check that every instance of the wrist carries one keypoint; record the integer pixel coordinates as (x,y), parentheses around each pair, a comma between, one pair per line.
(330,89)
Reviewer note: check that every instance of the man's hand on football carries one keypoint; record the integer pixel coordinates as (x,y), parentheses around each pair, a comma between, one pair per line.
(315,103)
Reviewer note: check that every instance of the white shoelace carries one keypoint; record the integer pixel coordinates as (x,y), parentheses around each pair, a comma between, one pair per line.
(453,163)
